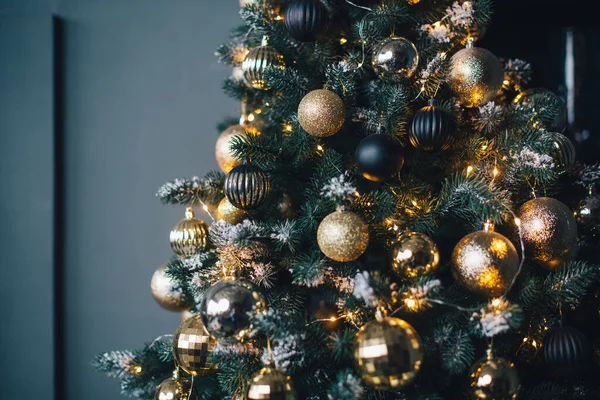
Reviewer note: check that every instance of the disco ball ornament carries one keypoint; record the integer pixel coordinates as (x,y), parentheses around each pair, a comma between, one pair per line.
(562,151)
(257,61)
(387,353)
(379,157)
(247,187)
(549,111)
(193,346)
(432,128)
(189,236)
(395,58)
(175,389)
(168,293)
(414,255)
(271,384)
(227,306)
(223,154)
(567,351)
(494,378)
(343,236)
(321,113)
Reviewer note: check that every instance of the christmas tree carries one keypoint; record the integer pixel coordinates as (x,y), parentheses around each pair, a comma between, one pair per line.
(398,216)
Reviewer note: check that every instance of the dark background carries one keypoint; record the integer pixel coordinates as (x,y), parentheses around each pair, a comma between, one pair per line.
(102,101)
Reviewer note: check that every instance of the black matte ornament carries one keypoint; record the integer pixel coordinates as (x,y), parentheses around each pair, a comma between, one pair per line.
(247,186)
(566,351)
(306,19)
(379,157)
(432,128)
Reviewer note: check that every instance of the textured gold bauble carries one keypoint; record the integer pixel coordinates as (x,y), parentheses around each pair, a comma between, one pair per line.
(188,237)
(167,293)
(414,255)
(549,230)
(395,58)
(321,113)
(485,262)
(257,61)
(475,76)
(192,347)
(270,384)
(174,389)
(494,379)
(225,159)
(230,213)
(387,353)
(343,236)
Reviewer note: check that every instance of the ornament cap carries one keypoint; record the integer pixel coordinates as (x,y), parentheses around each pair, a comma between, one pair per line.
(488,226)
(433,102)
(470,43)
(264,41)
(591,190)
(189,213)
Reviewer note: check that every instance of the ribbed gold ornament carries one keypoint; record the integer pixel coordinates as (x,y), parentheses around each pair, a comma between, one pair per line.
(321,113)
(343,236)
(257,61)
(188,237)
(225,159)
(174,389)
(270,384)
(166,293)
(475,76)
(485,262)
(414,255)
(230,213)
(494,379)
(387,353)
(192,347)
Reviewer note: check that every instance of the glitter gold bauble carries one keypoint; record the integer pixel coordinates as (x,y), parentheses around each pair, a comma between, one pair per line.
(387,353)
(223,154)
(414,255)
(270,384)
(562,151)
(230,213)
(174,389)
(395,58)
(475,76)
(167,293)
(192,347)
(257,61)
(485,262)
(321,113)
(343,236)
(549,230)
(226,308)
(494,379)
(188,237)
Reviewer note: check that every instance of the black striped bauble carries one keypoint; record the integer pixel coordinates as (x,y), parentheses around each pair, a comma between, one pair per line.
(432,128)
(247,186)
(566,351)
(257,61)
(306,19)
(379,157)
(562,151)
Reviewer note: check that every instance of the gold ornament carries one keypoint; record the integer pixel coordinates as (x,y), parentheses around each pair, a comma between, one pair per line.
(188,237)
(475,75)
(230,213)
(387,353)
(549,231)
(225,159)
(321,113)
(166,293)
(257,61)
(174,389)
(395,58)
(494,379)
(414,255)
(485,262)
(192,347)
(343,236)
(271,384)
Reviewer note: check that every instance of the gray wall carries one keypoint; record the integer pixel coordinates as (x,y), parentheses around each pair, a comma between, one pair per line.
(141,97)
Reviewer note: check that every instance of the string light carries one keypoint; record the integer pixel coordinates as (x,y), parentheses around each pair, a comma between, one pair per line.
(495,172)
(251,117)
(517,221)
(343,40)
(469,170)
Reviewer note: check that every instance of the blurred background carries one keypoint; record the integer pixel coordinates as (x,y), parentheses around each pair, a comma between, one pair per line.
(101,102)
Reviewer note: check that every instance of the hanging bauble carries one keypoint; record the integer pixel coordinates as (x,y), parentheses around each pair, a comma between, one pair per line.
(188,237)
(226,308)
(414,255)
(257,61)
(379,157)
(270,384)
(321,113)
(192,347)
(475,76)
(532,100)
(343,236)
(395,58)
(175,389)
(562,151)
(305,20)
(588,212)
(485,262)
(432,128)
(566,351)
(494,379)
(549,230)
(223,154)
(167,293)
(247,186)
(387,353)
(230,213)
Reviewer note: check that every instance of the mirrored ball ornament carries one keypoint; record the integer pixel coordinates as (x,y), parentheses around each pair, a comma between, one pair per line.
(562,151)
(175,389)
(193,346)
(494,379)
(395,58)
(414,255)
(227,307)
(167,292)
